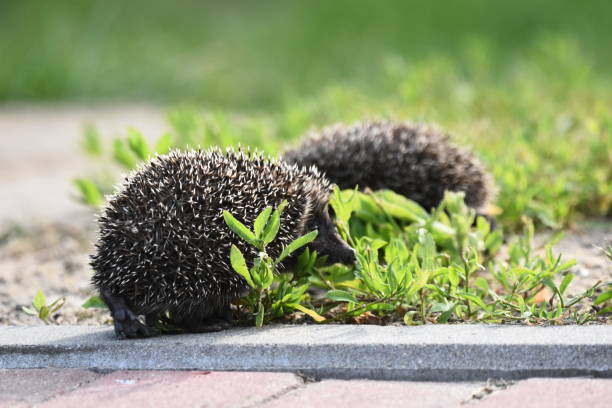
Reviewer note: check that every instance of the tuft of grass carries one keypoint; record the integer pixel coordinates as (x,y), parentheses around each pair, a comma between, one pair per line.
(41,309)
(417,268)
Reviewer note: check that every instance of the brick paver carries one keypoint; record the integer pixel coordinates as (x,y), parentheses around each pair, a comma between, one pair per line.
(31,386)
(67,388)
(554,393)
(177,389)
(364,393)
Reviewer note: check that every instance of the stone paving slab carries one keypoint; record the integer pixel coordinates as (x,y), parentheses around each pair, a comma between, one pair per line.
(177,388)
(82,388)
(558,393)
(366,393)
(32,386)
(430,353)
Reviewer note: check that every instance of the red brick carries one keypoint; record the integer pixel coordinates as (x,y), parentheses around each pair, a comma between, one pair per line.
(177,388)
(31,386)
(364,393)
(554,393)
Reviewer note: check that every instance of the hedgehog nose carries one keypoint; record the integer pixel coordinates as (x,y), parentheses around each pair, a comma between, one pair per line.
(350,256)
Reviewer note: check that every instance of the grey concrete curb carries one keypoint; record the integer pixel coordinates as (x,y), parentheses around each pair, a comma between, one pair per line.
(437,353)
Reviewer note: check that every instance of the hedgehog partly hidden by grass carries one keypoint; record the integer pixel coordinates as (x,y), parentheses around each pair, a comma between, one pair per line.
(414,160)
(163,247)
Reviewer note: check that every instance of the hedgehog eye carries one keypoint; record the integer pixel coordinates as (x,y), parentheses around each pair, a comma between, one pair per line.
(331,212)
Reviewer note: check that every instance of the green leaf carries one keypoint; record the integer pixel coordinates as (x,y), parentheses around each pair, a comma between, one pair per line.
(90,193)
(57,304)
(427,249)
(343,203)
(29,311)
(482,284)
(94,302)
(122,155)
(261,221)
(409,318)
(297,244)
(315,316)
(39,300)
(163,144)
(239,229)
(239,265)
(565,282)
(43,313)
(259,316)
(341,296)
(138,144)
(604,297)
(605,310)
(400,207)
(273,225)
(267,277)
(567,265)
(91,141)
(474,299)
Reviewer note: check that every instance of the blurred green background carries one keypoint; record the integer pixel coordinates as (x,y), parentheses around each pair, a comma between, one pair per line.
(524,83)
(256,54)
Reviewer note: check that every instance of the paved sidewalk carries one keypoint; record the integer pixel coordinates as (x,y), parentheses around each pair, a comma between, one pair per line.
(68,388)
(421,353)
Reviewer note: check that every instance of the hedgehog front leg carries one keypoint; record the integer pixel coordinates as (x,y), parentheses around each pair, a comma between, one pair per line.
(126,321)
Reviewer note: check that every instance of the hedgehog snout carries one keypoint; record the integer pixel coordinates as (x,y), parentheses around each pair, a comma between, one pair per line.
(334,248)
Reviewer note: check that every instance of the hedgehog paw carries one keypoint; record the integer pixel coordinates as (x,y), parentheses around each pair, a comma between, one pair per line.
(131,328)
(211,326)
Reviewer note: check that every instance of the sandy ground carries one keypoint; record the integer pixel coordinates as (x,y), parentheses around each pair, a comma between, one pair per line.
(46,235)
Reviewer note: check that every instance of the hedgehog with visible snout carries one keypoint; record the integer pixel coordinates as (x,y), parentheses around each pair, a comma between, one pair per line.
(414,160)
(163,245)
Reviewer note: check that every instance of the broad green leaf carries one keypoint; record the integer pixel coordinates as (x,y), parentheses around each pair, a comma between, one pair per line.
(482,284)
(273,224)
(315,316)
(39,300)
(565,282)
(261,221)
(239,228)
(122,154)
(341,296)
(239,265)
(604,297)
(138,144)
(567,265)
(163,144)
(343,203)
(94,302)
(400,207)
(90,194)
(43,313)
(267,276)
(297,244)
(474,299)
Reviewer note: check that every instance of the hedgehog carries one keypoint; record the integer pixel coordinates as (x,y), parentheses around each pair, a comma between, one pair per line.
(414,160)
(163,246)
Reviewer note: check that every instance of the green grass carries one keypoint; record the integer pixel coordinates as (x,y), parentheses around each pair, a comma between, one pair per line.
(414,267)
(256,54)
